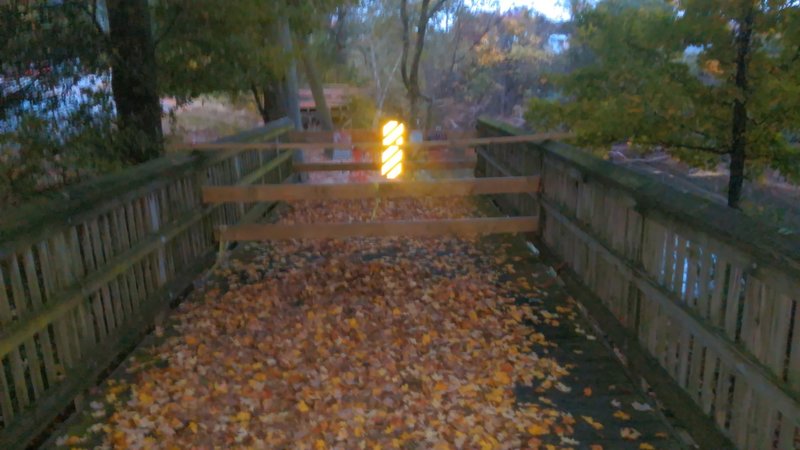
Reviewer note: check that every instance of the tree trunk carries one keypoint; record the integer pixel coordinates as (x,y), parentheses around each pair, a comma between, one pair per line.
(739,126)
(270,100)
(292,102)
(133,80)
(318,91)
(410,75)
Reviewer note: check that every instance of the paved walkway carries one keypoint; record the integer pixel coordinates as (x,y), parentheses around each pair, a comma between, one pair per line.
(373,343)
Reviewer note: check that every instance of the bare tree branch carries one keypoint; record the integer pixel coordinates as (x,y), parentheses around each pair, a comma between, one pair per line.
(406,42)
(92,14)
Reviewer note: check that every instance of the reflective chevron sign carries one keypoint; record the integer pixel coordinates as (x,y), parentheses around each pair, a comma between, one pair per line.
(392,154)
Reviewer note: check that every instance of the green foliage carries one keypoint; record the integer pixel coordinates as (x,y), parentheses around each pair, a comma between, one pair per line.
(361,111)
(42,154)
(56,113)
(209,46)
(664,74)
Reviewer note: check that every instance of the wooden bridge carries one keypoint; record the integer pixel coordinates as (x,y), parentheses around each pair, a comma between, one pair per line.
(610,311)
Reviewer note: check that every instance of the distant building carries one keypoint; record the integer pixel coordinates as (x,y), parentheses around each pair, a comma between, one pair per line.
(338,98)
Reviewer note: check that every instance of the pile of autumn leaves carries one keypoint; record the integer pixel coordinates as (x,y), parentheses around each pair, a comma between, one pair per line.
(361,343)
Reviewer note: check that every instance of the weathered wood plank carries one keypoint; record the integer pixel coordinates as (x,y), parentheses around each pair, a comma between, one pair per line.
(31,354)
(17,433)
(14,357)
(743,365)
(421,228)
(350,191)
(532,138)
(37,299)
(358,134)
(353,165)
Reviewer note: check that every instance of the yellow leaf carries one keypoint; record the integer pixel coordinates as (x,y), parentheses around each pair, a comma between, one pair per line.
(501,377)
(646,446)
(622,415)
(473,315)
(495,396)
(193,427)
(596,425)
(319,444)
(145,399)
(537,430)
(426,339)
(302,407)
(440,386)
(243,416)
(353,323)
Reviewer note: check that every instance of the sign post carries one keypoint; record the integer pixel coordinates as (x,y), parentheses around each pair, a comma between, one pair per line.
(393,134)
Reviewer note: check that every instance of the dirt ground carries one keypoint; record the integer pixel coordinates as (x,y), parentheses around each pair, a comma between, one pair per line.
(208,118)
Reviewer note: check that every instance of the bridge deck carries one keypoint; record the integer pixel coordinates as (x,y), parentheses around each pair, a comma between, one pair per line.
(374,343)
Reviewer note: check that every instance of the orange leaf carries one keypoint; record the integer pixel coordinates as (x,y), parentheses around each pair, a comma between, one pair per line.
(502,377)
(537,430)
(587,392)
(426,339)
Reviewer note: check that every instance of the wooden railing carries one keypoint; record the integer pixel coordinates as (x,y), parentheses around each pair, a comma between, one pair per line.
(83,276)
(708,293)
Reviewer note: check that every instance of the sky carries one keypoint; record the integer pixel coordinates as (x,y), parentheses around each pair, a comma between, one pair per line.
(552,9)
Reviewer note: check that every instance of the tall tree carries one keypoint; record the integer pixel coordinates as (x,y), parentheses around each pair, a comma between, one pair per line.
(134,83)
(703,78)
(409,71)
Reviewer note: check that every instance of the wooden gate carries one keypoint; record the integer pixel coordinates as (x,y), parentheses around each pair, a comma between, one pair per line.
(379,190)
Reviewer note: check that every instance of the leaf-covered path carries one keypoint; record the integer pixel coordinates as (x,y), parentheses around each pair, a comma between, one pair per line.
(373,343)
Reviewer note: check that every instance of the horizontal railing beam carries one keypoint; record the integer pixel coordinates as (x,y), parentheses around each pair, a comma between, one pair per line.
(471,142)
(415,228)
(359,134)
(354,191)
(757,377)
(352,165)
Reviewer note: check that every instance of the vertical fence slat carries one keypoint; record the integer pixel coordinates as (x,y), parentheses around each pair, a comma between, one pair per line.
(60,262)
(37,301)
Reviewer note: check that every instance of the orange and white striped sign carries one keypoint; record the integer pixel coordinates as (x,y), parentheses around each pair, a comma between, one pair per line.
(392,154)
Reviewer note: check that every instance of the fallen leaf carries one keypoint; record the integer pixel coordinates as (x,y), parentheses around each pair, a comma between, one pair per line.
(596,425)
(622,415)
(537,430)
(641,406)
(630,434)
